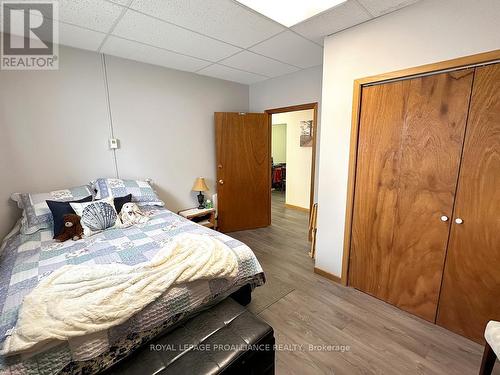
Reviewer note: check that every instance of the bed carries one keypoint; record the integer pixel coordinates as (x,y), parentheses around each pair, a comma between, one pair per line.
(26,259)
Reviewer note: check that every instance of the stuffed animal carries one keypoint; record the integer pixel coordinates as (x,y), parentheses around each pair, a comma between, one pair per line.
(72,228)
(131,214)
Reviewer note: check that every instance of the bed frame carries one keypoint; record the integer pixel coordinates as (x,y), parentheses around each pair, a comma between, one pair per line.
(243,295)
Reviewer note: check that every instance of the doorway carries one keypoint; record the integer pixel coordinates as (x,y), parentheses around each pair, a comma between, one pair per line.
(293,155)
(244,173)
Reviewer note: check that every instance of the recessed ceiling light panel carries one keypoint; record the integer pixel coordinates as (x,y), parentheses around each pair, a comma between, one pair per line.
(290,12)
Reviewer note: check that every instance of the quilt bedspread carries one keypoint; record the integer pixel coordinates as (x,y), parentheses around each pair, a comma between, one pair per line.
(27,259)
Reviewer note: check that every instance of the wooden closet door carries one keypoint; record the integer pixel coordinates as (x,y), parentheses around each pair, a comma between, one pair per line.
(470,294)
(410,141)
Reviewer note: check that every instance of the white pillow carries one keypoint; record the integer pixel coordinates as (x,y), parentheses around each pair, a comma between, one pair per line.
(97,216)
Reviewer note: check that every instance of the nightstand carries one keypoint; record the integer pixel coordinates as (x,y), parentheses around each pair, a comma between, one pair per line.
(205,216)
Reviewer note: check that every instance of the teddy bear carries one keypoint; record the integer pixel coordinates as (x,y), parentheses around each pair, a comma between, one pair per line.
(72,228)
(131,214)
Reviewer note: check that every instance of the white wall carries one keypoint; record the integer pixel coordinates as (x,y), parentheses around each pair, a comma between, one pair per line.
(54,127)
(278,143)
(291,89)
(164,119)
(426,32)
(298,159)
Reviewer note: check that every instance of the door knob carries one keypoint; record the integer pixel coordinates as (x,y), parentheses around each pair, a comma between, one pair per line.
(458,220)
(221,182)
(444,218)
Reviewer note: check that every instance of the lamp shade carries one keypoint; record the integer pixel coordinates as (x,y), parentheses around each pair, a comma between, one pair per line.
(200,185)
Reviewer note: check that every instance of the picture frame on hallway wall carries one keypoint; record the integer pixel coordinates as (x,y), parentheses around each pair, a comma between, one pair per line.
(306,133)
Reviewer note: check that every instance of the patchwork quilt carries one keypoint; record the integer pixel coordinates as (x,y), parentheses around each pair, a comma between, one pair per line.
(27,259)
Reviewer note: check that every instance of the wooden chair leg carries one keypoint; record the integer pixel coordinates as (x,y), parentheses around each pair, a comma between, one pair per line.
(489,358)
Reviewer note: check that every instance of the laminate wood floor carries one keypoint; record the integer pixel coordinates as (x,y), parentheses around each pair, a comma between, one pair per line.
(306,309)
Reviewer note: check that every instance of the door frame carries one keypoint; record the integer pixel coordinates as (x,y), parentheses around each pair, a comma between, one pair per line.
(295,108)
(434,68)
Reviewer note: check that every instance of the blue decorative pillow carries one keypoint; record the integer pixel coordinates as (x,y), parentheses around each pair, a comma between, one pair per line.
(142,192)
(120,201)
(36,212)
(59,209)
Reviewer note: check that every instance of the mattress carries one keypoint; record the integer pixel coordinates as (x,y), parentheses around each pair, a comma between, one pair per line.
(27,259)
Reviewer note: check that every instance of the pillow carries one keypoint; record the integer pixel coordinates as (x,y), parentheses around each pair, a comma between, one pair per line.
(97,216)
(120,201)
(142,192)
(36,212)
(59,209)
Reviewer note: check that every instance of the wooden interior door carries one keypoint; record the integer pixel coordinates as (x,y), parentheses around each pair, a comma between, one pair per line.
(243,142)
(409,148)
(470,294)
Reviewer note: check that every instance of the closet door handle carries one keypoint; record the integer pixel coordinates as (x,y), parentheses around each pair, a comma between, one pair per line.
(458,221)
(444,218)
(221,182)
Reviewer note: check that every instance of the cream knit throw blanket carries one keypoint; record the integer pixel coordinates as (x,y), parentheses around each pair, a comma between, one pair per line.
(78,300)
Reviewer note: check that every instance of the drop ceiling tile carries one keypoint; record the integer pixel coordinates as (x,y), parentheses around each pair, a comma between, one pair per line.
(152,55)
(141,28)
(73,36)
(252,62)
(338,18)
(77,37)
(292,49)
(221,19)
(230,74)
(97,15)
(380,7)
(125,3)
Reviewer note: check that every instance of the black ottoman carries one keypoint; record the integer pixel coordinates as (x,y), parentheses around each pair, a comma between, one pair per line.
(225,339)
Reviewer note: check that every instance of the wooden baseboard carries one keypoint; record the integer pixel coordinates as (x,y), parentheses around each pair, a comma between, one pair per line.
(328,275)
(298,208)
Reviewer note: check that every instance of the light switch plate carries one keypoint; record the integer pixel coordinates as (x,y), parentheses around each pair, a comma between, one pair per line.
(113,143)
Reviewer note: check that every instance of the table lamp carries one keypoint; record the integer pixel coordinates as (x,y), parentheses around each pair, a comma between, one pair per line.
(200,185)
